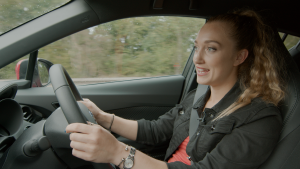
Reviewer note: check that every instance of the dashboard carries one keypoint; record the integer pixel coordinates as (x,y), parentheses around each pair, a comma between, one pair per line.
(14,118)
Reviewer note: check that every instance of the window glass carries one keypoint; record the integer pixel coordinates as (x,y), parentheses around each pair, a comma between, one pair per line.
(290,40)
(15,70)
(126,49)
(16,12)
(281,34)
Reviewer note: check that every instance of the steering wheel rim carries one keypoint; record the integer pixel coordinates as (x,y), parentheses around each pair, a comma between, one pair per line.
(66,94)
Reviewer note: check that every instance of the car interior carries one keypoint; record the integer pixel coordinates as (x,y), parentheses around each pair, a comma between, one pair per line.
(148,98)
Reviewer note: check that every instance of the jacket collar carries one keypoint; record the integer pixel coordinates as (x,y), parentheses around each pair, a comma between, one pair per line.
(230,97)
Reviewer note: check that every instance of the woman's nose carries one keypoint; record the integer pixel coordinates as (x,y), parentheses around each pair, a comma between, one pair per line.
(198,57)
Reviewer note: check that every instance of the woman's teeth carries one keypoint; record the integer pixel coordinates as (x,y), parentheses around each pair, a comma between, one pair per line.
(203,70)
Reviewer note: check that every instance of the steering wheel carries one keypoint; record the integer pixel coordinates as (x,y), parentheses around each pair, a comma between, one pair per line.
(32,148)
(66,94)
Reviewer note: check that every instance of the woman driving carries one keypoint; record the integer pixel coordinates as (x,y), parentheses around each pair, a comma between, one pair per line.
(239,122)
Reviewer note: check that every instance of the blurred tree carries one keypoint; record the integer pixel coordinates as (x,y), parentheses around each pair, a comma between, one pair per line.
(145,46)
(16,12)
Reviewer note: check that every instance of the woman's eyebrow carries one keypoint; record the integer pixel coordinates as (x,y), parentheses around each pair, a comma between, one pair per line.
(209,41)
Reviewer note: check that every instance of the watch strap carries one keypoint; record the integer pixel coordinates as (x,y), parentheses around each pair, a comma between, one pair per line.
(132,151)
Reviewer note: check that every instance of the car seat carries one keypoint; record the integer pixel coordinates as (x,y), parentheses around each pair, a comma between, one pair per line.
(295,53)
(287,152)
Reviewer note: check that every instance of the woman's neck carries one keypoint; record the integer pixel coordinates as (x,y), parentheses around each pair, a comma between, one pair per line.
(218,92)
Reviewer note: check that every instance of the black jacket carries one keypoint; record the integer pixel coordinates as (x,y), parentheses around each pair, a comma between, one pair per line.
(242,140)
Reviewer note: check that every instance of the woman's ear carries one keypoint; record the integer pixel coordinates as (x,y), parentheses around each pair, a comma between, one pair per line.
(241,57)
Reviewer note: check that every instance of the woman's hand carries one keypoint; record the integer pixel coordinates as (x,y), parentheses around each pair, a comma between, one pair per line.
(92,143)
(92,107)
(102,118)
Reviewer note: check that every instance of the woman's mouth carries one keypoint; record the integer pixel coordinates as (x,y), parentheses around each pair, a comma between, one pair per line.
(202,71)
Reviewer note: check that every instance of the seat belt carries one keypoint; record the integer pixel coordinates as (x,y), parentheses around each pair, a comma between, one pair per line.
(194,122)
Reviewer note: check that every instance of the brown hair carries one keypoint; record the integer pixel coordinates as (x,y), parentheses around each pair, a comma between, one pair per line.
(260,74)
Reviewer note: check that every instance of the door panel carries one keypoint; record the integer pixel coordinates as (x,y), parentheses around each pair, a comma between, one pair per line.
(141,112)
(159,91)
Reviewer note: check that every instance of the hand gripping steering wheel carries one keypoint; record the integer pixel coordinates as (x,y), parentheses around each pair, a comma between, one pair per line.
(67,96)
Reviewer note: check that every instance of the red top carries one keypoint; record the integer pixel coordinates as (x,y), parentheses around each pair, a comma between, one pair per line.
(180,153)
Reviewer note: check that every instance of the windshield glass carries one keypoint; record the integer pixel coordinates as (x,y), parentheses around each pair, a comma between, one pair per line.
(16,12)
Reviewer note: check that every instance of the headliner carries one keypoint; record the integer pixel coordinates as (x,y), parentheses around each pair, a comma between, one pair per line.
(282,13)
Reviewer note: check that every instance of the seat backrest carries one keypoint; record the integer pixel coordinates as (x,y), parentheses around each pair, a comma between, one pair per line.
(287,152)
(295,52)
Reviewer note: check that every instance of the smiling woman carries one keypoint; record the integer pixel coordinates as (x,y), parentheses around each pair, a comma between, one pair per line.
(239,121)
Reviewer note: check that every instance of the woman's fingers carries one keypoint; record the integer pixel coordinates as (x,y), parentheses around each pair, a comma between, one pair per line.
(80,137)
(80,146)
(92,142)
(78,128)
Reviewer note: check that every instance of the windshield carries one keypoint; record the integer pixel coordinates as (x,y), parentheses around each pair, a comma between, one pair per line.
(16,12)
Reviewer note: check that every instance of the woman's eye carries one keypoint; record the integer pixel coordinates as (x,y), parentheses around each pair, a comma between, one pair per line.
(210,49)
(195,47)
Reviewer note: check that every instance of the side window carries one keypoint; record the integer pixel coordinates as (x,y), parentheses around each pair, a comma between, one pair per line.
(126,49)
(15,70)
(290,40)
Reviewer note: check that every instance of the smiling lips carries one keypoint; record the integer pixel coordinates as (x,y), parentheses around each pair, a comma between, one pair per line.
(202,71)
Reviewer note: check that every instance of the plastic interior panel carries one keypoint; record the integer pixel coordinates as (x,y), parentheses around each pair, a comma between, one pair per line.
(11,117)
(136,113)
(46,29)
(21,83)
(8,90)
(16,158)
(159,91)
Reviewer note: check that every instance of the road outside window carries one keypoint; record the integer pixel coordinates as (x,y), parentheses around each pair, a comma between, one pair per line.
(126,49)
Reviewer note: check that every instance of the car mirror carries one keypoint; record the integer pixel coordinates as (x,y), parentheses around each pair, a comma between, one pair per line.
(41,72)
(44,73)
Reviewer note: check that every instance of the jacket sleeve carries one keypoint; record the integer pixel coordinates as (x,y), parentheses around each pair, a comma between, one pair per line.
(156,131)
(245,147)
(161,130)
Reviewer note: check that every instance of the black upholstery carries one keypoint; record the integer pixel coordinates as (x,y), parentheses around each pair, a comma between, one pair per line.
(295,52)
(286,154)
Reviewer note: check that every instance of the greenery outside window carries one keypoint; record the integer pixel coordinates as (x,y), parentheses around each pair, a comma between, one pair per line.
(126,49)
(290,40)
(17,12)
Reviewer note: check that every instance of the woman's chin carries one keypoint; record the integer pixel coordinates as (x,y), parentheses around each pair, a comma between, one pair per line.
(202,81)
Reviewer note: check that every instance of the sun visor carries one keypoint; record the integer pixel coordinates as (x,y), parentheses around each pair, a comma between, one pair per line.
(8,90)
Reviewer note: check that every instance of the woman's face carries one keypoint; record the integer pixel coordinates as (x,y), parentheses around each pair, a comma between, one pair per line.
(215,57)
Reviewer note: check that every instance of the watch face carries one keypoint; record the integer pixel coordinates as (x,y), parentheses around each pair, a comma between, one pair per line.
(128,163)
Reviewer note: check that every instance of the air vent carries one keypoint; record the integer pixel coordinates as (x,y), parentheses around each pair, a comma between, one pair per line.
(30,115)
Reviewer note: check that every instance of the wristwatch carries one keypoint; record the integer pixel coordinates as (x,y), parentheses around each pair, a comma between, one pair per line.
(128,163)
